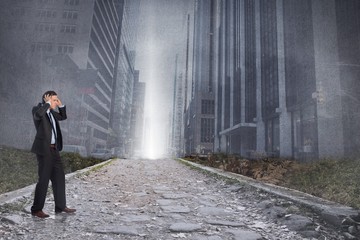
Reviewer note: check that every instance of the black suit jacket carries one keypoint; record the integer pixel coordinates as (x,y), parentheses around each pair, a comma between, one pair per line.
(43,127)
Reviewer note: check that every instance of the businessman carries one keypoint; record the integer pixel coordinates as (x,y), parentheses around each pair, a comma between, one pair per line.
(46,146)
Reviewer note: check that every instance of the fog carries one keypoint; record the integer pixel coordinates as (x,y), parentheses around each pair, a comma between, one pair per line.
(294,88)
(162,36)
(153,34)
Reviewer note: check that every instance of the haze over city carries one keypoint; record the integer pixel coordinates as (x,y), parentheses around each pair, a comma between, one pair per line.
(197,119)
(167,77)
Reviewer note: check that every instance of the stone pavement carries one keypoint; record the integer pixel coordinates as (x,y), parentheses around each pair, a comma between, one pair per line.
(163,199)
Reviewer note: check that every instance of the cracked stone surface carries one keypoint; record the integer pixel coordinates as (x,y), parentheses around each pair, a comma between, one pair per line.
(163,199)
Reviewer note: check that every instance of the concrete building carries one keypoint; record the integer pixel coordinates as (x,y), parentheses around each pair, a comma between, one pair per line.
(125,74)
(199,114)
(96,35)
(137,118)
(176,141)
(286,78)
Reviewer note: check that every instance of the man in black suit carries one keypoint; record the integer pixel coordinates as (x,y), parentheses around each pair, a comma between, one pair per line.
(46,146)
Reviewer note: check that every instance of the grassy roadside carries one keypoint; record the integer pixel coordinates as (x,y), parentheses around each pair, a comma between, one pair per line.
(337,180)
(18,168)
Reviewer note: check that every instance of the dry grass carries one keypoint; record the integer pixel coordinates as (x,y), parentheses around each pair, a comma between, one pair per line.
(18,168)
(337,180)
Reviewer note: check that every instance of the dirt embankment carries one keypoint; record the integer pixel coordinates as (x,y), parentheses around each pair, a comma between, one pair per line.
(271,170)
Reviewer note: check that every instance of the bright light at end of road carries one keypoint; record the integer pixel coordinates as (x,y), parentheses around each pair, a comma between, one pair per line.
(154,143)
(156,109)
(156,115)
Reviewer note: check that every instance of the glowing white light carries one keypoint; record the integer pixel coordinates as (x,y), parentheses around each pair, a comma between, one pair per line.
(159,41)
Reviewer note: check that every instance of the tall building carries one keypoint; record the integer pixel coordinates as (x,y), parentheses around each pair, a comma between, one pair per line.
(137,117)
(199,115)
(236,79)
(36,37)
(125,74)
(286,78)
(177,116)
(96,35)
(103,52)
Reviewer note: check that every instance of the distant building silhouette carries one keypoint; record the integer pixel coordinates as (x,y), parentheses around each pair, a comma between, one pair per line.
(98,36)
(135,145)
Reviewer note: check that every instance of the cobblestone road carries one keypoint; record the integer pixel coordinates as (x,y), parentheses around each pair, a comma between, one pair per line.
(164,199)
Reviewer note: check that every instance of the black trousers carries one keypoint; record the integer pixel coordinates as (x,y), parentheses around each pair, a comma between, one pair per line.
(50,168)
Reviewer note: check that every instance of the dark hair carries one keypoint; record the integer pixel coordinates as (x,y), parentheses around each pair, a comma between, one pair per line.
(51,93)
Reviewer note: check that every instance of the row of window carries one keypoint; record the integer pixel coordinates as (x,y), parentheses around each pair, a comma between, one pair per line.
(47,1)
(68,28)
(15,25)
(22,1)
(48,47)
(41,27)
(45,13)
(66,2)
(52,14)
(72,2)
(70,15)
(45,27)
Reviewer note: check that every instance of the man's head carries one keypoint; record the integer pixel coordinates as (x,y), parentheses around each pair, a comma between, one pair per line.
(52,97)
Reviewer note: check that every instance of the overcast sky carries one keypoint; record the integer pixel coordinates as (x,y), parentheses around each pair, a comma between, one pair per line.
(161,35)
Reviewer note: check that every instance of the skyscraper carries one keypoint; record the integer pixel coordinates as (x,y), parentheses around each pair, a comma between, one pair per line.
(137,117)
(285,74)
(199,115)
(94,34)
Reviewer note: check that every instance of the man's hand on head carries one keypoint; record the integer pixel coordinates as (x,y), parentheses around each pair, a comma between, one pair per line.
(59,103)
(47,98)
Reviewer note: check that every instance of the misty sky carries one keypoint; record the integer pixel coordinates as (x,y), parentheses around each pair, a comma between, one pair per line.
(161,35)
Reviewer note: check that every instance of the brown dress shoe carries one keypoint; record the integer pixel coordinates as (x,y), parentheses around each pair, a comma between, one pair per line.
(67,210)
(40,214)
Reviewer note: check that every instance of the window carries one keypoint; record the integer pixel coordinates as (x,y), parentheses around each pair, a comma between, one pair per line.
(71,2)
(42,13)
(47,1)
(41,47)
(68,28)
(207,107)
(70,15)
(46,27)
(207,130)
(65,48)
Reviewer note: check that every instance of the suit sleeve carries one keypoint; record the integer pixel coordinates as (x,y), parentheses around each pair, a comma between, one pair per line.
(39,112)
(61,115)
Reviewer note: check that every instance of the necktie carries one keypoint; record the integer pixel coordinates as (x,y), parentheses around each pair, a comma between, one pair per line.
(53,127)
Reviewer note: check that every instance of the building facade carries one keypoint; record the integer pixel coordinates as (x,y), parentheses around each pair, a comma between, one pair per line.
(94,34)
(199,115)
(286,78)
(124,84)
(137,118)
(176,143)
